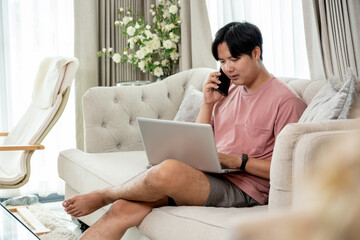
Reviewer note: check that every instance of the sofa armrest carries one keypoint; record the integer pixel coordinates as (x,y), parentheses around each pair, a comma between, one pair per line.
(281,224)
(281,171)
(324,197)
(306,153)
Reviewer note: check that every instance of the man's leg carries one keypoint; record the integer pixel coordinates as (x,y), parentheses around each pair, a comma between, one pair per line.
(186,185)
(122,215)
(171,178)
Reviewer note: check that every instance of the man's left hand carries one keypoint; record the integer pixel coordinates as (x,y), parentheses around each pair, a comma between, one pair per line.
(230,161)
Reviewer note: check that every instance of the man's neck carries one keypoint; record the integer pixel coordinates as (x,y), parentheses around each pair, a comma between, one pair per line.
(263,77)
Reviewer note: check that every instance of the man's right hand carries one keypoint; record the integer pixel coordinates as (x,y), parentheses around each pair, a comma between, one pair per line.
(211,96)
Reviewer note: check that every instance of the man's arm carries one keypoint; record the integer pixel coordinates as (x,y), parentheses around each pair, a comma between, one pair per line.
(205,113)
(258,167)
(254,166)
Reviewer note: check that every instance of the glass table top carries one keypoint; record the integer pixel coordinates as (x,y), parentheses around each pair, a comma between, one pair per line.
(13,229)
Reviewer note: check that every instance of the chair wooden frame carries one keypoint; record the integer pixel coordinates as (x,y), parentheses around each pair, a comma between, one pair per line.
(32,148)
(20,148)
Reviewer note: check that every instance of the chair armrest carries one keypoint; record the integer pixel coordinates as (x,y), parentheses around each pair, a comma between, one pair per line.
(3,134)
(281,171)
(21,147)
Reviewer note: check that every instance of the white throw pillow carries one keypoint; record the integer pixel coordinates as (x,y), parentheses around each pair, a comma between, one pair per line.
(190,106)
(333,101)
(351,97)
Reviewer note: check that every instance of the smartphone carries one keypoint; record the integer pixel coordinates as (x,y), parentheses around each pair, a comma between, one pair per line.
(224,85)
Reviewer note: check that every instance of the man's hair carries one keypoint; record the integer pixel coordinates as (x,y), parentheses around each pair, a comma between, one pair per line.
(240,37)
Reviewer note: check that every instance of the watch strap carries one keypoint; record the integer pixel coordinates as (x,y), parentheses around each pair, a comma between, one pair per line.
(244,158)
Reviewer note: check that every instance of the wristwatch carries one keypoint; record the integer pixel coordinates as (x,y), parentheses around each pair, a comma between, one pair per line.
(244,158)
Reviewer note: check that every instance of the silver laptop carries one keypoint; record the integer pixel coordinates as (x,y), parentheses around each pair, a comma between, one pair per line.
(191,143)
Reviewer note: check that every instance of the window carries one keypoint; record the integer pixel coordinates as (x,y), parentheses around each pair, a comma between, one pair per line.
(32,30)
(3,65)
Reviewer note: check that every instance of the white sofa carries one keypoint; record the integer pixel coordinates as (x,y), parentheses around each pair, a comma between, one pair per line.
(114,154)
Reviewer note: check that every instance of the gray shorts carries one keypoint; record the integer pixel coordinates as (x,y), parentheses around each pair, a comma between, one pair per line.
(224,193)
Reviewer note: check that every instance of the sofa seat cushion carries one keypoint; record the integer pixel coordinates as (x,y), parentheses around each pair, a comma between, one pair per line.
(189,222)
(85,172)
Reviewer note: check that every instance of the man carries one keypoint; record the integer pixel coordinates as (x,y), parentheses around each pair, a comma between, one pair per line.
(245,123)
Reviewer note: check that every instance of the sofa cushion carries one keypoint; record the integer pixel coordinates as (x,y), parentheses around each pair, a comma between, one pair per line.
(192,223)
(190,106)
(84,172)
(351,97)
(333,101)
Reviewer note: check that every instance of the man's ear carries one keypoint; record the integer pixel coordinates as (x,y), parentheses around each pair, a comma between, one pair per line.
(256,53)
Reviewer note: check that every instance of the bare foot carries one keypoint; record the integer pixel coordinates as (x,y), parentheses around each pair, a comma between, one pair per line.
(84,204)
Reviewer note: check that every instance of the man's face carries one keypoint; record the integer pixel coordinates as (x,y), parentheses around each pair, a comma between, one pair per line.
(242,70)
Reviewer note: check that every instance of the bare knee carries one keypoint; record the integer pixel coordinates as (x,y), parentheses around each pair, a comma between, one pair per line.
(127,213)
(165,175)
(119,208)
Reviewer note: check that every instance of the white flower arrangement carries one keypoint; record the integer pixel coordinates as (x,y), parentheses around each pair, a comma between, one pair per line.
(150,47)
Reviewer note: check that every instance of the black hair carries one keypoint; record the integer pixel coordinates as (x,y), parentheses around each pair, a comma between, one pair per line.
(240,37)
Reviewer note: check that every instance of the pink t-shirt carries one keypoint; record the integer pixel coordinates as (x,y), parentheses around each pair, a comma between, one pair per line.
(249,123)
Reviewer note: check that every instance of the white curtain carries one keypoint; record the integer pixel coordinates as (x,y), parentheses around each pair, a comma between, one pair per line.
(281,24)
(333,37)
(37,29)
(4,41)
(195,48)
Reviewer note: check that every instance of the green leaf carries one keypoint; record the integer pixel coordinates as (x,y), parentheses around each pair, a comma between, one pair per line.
(168,51)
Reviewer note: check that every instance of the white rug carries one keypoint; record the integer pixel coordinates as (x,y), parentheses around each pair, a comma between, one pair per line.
(62,228)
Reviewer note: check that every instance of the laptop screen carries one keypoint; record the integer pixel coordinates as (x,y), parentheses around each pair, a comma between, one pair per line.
(12,228)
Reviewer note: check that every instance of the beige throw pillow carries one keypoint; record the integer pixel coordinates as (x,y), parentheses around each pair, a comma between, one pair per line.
(190,106)
(333,101)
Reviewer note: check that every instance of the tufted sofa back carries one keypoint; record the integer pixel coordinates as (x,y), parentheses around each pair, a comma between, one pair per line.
(305,88)
(110,112)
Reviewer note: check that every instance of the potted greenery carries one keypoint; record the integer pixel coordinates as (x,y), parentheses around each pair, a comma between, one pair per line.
(152,47)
